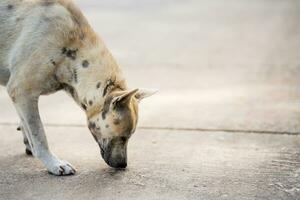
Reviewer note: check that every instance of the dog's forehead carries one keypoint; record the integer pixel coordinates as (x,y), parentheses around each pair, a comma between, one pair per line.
(120,124)
(122,121)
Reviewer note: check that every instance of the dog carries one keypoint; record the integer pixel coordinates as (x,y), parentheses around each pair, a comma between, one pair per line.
(47,46)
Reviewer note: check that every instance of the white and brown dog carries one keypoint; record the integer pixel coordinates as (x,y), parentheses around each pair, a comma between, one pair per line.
(46,46)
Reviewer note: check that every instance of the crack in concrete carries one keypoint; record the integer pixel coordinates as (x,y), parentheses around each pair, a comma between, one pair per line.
(176,129)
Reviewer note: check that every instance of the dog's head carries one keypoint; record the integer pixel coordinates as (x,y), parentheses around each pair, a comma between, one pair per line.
(113,125)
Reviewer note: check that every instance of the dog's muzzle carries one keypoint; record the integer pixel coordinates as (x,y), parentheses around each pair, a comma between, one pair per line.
(114,152)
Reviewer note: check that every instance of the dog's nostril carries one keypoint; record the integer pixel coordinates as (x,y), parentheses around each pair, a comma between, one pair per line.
(119,165)
(116,164)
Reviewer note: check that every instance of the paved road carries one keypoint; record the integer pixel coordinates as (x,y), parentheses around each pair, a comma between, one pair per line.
(228,70)
(162,165)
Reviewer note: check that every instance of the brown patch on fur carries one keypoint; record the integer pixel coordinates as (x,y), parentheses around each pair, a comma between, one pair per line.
(134,110)
(117,121)
(91,112)
(90,102)
(82,28)
(106,106)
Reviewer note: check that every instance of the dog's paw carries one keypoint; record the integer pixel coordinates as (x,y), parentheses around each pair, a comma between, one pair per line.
(28,152)
(61,168)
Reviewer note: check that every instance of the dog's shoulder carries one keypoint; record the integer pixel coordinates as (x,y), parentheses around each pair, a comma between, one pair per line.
(81,29)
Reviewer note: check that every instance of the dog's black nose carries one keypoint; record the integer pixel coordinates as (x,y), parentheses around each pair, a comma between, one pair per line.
(118,162)
(121,165)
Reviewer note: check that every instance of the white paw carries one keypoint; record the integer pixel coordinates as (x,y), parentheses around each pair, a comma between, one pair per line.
(61,168)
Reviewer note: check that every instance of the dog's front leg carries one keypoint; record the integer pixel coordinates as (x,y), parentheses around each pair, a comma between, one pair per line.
(25,140)
(27,108)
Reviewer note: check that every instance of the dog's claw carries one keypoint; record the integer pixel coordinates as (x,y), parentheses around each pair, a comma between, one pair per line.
(62,168)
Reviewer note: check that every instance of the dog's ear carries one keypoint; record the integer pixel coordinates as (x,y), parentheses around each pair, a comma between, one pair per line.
(143,93)
(124,98)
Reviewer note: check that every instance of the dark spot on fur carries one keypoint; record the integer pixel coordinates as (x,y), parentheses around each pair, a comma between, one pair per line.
(83,106)
(47,19)
(70,90)
(84,100)
(10,7)
(28,152)
(72,54)
(25,140)
(110,83)
(90,102)
(55,77)
(19,19)
(92,126)
(64,50)
(117,121)
(98,85)
(75,77)
(59,87)
(53,62)
(106,126)
(106,106)
(19,128)
(85,63)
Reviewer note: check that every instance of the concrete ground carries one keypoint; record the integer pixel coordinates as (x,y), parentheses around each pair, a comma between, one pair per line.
(224,125)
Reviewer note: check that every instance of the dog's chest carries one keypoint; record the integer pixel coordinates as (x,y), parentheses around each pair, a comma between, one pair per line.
(51,86)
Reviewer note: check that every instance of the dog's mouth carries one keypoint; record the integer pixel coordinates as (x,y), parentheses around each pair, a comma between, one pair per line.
(114,152)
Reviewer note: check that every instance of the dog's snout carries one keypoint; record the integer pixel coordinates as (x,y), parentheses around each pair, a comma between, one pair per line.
(115,161)
(118,162)
(114,153)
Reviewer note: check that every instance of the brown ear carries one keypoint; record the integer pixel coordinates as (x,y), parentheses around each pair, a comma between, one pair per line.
(125,97)
(143,93)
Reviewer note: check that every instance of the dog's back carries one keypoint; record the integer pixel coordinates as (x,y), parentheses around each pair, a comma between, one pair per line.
(8,34)
(12,15)
(28,24)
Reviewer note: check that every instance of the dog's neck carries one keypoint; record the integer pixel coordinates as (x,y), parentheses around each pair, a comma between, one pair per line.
(89,76)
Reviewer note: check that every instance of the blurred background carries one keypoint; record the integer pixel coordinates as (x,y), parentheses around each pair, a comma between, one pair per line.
(217,64)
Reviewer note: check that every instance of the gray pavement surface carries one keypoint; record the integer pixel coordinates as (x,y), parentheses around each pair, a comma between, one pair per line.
(224,125)
(162,165)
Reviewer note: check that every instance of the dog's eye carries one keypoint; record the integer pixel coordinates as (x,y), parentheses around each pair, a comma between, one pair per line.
(123,139)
